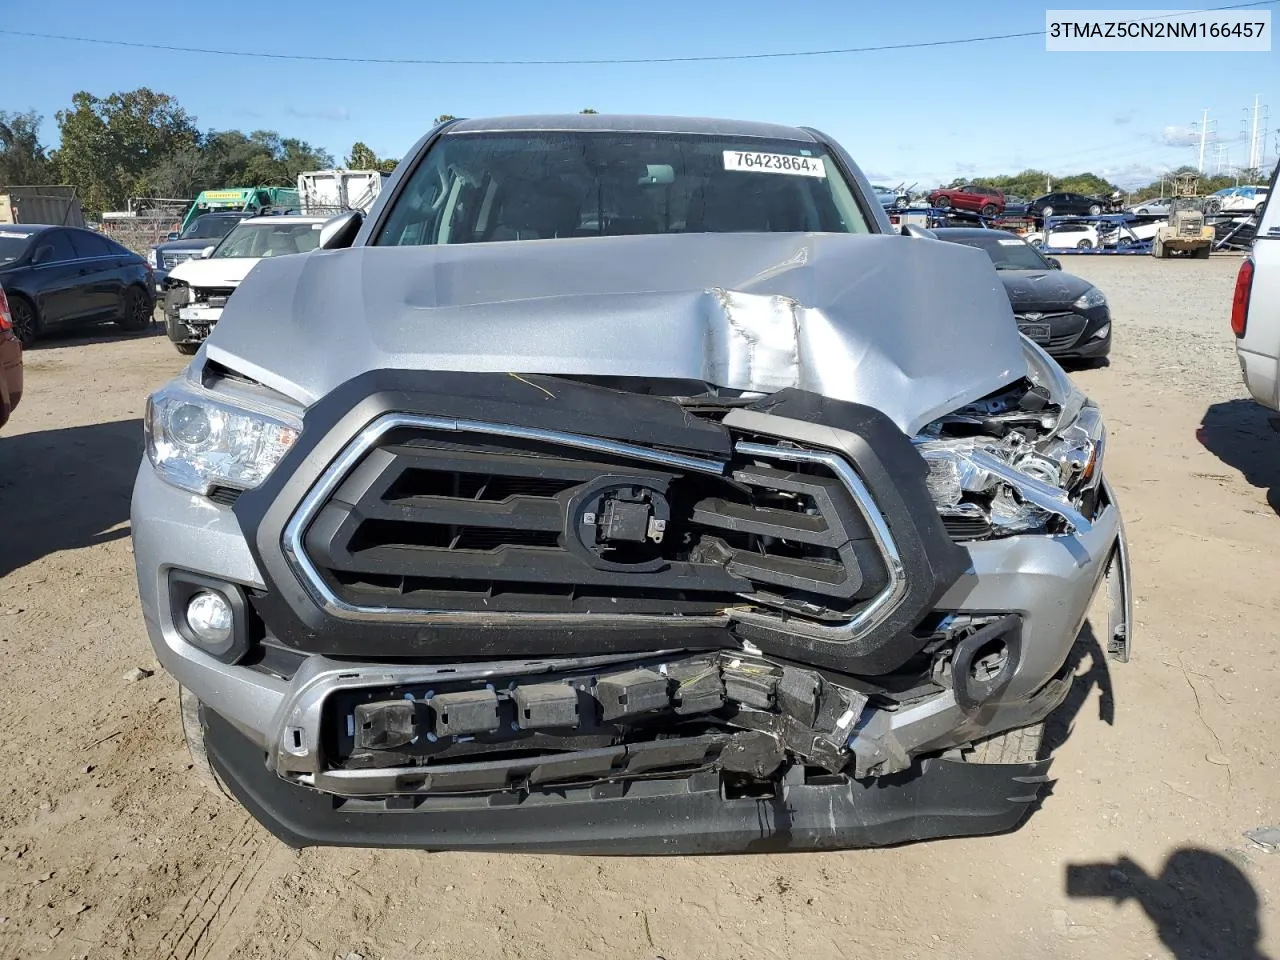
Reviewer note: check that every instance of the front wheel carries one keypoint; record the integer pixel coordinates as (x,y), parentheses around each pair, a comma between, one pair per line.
(26,322)
(187,349)
(1094,209)
(942,203)
(136,313)
(1013,746)
(189,710)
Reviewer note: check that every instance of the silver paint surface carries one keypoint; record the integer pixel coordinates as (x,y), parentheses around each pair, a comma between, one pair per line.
(912,327)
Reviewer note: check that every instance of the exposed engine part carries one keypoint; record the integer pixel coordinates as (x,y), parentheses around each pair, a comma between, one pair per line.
(1002,466)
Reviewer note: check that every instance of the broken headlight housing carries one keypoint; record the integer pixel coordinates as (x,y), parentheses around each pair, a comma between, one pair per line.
(1014,464)
(197,441)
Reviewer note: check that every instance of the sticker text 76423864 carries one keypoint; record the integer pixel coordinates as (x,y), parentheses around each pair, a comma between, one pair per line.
(774,163)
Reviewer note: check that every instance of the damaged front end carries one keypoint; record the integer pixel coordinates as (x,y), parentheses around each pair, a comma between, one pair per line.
(739,618)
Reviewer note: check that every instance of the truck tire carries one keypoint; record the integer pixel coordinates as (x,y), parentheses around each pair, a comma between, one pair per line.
(187,349)
(1203,253)
(1021,745)
(201,768)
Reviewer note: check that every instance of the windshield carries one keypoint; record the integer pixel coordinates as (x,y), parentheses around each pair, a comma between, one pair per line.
(1006,252)
(12,245)
(473,188)
(275,239)
(209,228)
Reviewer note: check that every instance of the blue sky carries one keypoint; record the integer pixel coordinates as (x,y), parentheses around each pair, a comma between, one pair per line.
(908,115)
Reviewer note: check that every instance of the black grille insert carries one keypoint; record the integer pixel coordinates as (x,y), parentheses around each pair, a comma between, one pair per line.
(424,522)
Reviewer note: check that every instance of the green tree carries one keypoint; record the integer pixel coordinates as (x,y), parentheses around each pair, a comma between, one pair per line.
(362,157)
(588,110)
(445,117)
(109,145)
(23,159)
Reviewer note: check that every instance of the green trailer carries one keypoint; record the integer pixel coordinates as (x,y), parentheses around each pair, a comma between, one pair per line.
(249,199)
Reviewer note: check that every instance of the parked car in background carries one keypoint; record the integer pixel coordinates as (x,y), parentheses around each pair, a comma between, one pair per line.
(10,362)
(1155,207)
(988,201)
(1082,235)
(60,277)
(601,491)
(197,289)
(204,231)
(1066,204)
(1131,234)
(888,196)
(1255,308)
(1063,313)
(1238,200)
(1015,206)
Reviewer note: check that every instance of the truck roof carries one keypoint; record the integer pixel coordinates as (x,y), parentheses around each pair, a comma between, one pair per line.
(632,124)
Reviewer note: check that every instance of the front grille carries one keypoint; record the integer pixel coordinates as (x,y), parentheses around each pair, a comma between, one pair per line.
(422,522)
(172,258)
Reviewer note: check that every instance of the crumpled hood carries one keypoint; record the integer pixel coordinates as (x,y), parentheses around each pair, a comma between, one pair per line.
(1042,288)
(910,326)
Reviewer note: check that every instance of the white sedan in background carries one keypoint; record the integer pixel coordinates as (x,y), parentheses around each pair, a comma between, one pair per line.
(1082,236)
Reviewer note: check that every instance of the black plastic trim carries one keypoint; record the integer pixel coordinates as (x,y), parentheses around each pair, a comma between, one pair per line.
(532,401)
(894,473)
(936,798)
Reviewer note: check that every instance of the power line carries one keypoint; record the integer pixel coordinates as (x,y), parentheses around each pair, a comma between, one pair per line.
(320,58)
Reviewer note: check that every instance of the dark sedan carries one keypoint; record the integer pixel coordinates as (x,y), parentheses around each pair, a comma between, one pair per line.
(1065,314)
(60,277)
(1065,204)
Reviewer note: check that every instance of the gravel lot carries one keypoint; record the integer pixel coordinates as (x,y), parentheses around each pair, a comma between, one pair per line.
(107,849)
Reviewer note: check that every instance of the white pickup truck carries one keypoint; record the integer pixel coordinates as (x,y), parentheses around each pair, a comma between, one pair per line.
(1255,309)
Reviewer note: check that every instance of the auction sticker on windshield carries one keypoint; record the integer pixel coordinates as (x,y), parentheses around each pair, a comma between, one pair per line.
(774,163)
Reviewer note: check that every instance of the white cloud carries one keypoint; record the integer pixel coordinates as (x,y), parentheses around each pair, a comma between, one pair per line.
(1175,136)
(319,113)
(1131,175)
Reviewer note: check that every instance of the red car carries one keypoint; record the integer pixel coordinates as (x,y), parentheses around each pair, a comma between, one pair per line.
(987,201)
(10,362)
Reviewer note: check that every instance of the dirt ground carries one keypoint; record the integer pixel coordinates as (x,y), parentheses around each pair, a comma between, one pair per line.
(108,849)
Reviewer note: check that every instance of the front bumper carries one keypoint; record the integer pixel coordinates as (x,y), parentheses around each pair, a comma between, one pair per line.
(1073,333)
(257,721)
(939,798)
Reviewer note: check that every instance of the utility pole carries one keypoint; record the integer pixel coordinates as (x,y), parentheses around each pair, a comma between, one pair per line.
(1204,136)
(1255,155)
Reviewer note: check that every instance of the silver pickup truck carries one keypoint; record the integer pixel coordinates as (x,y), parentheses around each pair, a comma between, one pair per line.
(1255,308)
(625,485)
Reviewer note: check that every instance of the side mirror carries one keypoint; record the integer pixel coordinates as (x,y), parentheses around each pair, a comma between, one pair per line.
(207,252)
(42,254)
(339,232)
(171,235)
(1054,262)
(920,233)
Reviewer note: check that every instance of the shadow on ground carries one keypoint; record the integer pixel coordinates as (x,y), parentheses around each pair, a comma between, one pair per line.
(1202,905)
(1058,726)
(1239,433)
(91,333)
(64,489)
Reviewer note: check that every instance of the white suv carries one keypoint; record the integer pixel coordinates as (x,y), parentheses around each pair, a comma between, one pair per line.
(1255,311)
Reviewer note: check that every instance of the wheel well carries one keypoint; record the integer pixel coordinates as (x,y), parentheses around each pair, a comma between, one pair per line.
(15,295)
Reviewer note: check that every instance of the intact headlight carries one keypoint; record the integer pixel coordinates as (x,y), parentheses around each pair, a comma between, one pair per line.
(1093,297)
(197,442)
(151,258)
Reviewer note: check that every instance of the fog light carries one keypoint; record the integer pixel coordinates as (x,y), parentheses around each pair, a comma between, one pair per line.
(1101,332)
(210,618)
